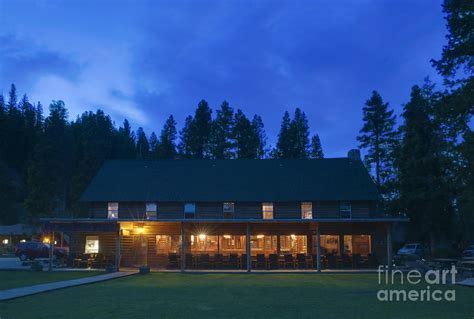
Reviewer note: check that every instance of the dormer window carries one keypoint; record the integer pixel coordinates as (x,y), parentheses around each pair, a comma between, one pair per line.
(345,210)
(112,210)
(189,210)
(150,210)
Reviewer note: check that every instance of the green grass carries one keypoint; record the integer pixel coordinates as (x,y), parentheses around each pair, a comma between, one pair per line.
(170,295)
(16,279)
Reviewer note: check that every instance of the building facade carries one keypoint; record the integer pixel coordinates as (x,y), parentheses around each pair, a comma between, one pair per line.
(231,214)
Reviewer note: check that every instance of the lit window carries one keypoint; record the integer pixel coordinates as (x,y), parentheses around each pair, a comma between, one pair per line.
(229,209)
(189,210)
(112,211)
(345,210)
(150,210)
(307,210)
(92,245)
(267,209)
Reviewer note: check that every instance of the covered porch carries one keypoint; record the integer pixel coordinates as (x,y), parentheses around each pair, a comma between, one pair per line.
(232,245)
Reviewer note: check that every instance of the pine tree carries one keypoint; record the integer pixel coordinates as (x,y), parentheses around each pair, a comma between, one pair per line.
(221,139)
(316,149)
(284,143)
(201,131)
(260,137)
(167,144)
(12,100)
(125,141)
(378,137)
(154,146)
(143,147)
(49,167)
(425,195)
(299,130)
(184,147)
(244,135)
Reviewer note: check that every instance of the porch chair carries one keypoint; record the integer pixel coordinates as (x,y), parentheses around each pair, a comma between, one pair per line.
(173,261)
(331,258)
(218,261)
(243,261)
(273,261)
(204,261)
(98,261)
(301,261)
(233,261)
(289,261)
(260,262)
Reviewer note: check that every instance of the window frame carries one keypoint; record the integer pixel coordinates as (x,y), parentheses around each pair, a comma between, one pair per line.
(303,212)
(94,238)
(343,205)
(228,213)
(267,204)
(189,214)
(111,211)
(147,210)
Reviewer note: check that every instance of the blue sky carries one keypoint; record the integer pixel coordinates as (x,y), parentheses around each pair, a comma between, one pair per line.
(144,60)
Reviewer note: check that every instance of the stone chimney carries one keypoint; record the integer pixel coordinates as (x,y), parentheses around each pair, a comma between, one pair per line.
(354,155)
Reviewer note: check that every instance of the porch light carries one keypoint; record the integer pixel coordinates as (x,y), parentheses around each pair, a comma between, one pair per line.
(202,236)
(293,236)
(5,241)
(46,240)
(23,241)
(227,236)
(260,236)
(140,230)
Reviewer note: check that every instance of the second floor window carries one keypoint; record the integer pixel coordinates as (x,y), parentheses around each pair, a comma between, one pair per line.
(307,210)
(189,210)
(267,210)
(228,209)
(112,210)
(150,210)
(345,209)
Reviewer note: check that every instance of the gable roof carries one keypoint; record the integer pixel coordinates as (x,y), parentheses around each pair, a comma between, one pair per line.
(232,180)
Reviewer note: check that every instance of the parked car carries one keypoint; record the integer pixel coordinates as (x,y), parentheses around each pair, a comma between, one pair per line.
(468,252)
(35,249)
(411,249)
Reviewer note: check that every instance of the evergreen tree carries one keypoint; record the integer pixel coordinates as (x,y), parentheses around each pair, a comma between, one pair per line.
(260,136)
(125,141)
(184,147)
(424,191)
(316,149)
(244,135)
(284,143)
(154,146)
(201,131)
(143,147)
(167,143)
(48,170)
(3,128)
(221,133)
(299,130)
(378,137)
(12,100)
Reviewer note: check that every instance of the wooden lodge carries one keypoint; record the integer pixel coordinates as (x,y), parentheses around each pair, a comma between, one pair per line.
(230,214)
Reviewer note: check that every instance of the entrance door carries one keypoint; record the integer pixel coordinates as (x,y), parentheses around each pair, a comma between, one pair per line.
(140,247)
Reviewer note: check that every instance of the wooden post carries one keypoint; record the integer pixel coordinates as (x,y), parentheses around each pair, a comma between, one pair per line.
(117,249)
(278,244)
(389,246)
(318,248)
(248,250)
(183,247)
(51,252)
(341,244)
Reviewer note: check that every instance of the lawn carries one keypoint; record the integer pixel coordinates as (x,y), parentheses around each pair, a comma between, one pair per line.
(16,279)
(170,295)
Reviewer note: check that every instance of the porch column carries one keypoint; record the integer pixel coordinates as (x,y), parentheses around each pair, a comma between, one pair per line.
(117,249)
(318,248)
(389,246)
(51,252)
(278,244)
(183,246)
(341,244)
(248,250)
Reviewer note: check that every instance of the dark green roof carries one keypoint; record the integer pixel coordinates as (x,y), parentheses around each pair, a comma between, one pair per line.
(231,180)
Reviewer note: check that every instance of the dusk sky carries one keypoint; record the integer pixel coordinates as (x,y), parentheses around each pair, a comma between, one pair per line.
(145,60)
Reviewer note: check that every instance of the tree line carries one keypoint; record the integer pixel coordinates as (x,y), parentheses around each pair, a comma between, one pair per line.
(422,162)
(47,162)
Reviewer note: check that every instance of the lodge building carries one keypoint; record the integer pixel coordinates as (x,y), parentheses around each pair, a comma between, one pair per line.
(212,214)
